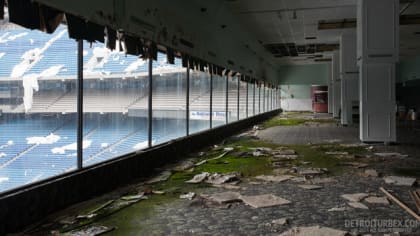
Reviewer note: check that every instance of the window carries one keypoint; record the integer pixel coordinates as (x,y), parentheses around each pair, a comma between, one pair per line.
(199,101)
(219,100)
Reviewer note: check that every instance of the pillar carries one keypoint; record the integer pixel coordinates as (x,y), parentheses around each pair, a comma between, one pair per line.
(336,99)
(349,74)
(377,53)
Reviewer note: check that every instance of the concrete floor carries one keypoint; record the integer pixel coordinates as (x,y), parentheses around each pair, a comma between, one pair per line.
(164,215)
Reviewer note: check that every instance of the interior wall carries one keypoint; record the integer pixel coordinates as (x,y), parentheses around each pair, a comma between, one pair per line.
(315,74)
(296,82)
(296,97)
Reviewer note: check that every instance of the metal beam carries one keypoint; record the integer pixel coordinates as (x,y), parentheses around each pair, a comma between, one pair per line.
(79,104)
(227,99)
(246,112)
(239,84)
(253,100)
(150,105)
(187,101)
(211,99)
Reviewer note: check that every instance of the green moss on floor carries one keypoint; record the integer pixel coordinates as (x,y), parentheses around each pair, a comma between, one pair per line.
(283,122)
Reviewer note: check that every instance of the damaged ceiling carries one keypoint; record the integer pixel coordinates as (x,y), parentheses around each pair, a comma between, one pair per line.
(306,31)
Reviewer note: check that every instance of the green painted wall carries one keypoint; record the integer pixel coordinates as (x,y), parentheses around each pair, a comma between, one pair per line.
(316,74)
(295,91)
(408,69)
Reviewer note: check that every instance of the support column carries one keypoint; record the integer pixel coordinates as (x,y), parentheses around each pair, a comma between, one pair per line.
(349,73)
(150,105)
(80,104)
(211,97)
(246,101)
(377,53)
(336,85)
(187,102)
(330,96)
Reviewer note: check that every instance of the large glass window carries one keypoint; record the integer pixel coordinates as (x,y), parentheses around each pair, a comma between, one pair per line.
(250,99)
(38,104)
(114,104)
(219,100)
(168,100)
(199,101)
(233,98)
(242,100)
(34,78)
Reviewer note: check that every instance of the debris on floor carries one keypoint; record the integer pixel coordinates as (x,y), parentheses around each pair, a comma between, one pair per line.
(349,145)
(198,178)
(309,186)
(284,157)
(355,164)
(183,166)
(355,197)
(399,203)
(281,221)
(314,231)
(342,208)
(163,176)
(265,200)
(358,205)
(415,195)
(274,178)
(323,180)
(337,153)
(284,152)
(390,154)
(90,230)
(309,171)
(370,173)
(201,163)
(224,197)
(222,178)
(190,196)
(377,200)
(299,179)
(228,149)
(398,180)
(133,197)
(228,186)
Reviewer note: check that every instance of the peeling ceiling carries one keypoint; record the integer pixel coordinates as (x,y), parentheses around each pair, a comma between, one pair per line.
(290,29)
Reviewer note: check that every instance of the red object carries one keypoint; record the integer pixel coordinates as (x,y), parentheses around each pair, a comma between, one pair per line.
(319,95)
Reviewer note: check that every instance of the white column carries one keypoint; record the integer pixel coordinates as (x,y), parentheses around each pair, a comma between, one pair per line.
(336,84)
(377,52)
(330,90)
(349,76)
